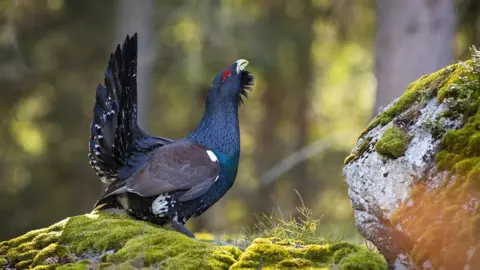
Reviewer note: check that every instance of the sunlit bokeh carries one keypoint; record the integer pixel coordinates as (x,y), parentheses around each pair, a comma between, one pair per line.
(315,91)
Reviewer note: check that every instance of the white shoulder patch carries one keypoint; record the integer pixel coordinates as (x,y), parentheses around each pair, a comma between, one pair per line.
(212,156)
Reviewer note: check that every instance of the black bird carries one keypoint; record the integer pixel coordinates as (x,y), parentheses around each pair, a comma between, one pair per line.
(158,179)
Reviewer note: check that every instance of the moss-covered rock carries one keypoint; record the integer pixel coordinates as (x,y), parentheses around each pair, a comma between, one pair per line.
(417,197)
(417,92)
(449,210)
(107,241)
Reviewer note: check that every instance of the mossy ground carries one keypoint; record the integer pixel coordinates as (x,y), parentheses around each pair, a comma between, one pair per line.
(273,253)
(445,221)
(103,240)
(98,240)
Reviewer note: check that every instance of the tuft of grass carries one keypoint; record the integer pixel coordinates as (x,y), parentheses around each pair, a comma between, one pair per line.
(301,226)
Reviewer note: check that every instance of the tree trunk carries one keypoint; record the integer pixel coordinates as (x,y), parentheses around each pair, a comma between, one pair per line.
(270,147)
(414,37)
(139,16)
(305,35)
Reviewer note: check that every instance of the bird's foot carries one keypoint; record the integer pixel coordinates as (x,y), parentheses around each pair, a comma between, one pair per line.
(179,227)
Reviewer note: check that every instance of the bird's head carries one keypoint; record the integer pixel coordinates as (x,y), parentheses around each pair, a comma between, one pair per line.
(231,83)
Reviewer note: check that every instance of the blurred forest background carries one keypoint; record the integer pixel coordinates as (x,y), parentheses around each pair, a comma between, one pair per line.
(323,69)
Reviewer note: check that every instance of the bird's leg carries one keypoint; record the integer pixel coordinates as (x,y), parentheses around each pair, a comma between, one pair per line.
(179,227)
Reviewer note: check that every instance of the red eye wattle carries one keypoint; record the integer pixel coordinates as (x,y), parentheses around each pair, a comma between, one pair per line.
(226,74)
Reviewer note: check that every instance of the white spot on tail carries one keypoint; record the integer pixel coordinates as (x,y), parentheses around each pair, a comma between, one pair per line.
(216,178)
(212,156)
(99,137)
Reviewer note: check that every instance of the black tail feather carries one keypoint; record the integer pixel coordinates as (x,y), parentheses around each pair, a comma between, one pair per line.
(115,135)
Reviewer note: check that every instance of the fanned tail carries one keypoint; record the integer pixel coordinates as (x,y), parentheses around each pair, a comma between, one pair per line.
(115,135)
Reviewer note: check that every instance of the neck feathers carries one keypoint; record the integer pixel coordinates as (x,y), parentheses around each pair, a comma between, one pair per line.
(219,129)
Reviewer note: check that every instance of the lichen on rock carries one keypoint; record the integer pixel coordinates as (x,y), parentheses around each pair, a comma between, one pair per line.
(422,208)
(105,240)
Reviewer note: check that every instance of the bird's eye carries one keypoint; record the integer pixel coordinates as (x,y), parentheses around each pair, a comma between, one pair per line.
(226,74)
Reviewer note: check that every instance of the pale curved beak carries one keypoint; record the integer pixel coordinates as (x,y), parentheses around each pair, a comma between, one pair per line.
(241,64)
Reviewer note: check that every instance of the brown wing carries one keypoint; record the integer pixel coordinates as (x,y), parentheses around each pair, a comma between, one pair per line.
(178,166)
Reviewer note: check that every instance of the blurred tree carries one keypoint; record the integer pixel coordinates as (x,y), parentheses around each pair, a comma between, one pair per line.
(414,37)
(139,17)
(468,33)
(44,122)
(288,31)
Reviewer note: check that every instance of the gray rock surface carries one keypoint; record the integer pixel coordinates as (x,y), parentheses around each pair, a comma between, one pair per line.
(379,185)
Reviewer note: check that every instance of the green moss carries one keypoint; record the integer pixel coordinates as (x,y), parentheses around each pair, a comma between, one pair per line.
(418,91)
(463,167)
(363,260)
(80,265)
(440,221)
(109,241)
(135,240)
(17,254)
(52,250)
(44,239)
(269,253)
(294,263)
(90,233)
(461,148)
(339,255)
(22,251)
(349,158)
(47,267)
(23,264)
(127,240)
(362,148)
(106,265)
(393,143)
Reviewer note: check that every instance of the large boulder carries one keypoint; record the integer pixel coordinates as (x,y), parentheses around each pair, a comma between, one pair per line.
(113,241)
(414,175)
